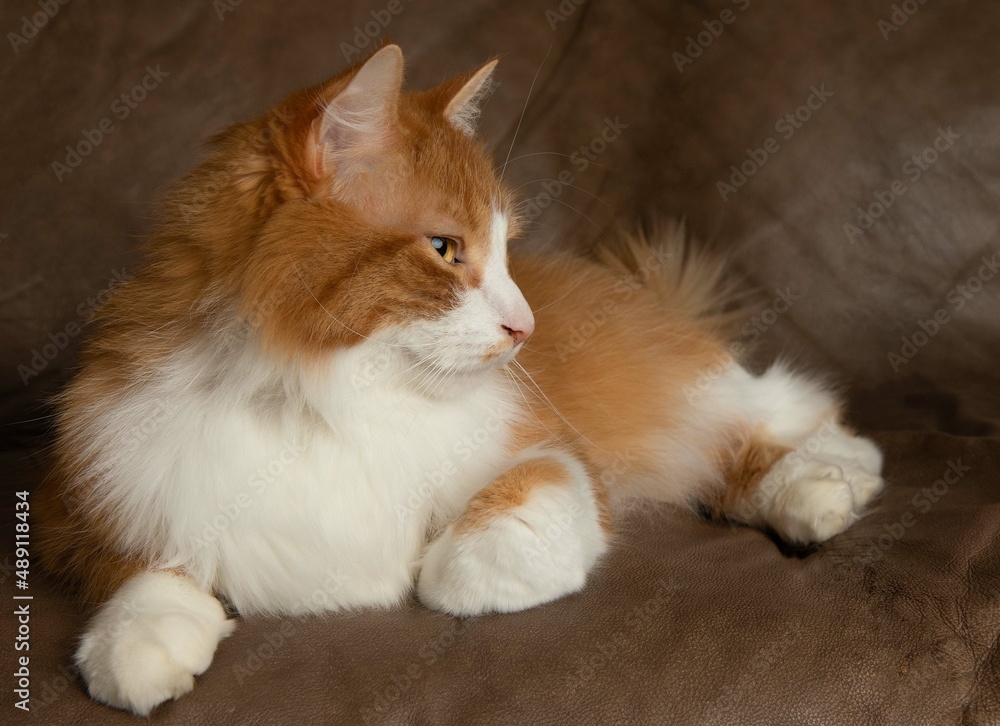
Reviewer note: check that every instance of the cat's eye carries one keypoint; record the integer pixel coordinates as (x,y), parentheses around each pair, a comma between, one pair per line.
(446,247)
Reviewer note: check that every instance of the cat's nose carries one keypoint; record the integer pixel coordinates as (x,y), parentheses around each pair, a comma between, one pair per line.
(520,333)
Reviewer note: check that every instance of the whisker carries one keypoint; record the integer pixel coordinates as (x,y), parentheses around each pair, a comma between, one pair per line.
(555,410)
(596,225)
(554,153)
(571,186)
(521,119)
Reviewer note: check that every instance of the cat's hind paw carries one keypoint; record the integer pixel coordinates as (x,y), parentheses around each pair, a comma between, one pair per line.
(811,500)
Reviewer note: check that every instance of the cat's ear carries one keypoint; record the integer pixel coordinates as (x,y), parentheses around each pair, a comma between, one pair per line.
(357,121)
(462,110)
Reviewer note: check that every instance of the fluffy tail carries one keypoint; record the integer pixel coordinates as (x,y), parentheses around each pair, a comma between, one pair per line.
(690,279)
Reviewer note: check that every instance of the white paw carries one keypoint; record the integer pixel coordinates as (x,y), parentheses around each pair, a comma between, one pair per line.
(836,444)
(149,641)
(865,486)
(530,554)
(808,499)
(813,503)
(859,458)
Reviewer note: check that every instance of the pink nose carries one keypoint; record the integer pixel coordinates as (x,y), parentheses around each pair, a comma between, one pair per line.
(519,336)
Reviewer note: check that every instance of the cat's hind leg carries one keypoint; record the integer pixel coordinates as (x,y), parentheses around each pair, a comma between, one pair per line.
(529,537)
(794,467)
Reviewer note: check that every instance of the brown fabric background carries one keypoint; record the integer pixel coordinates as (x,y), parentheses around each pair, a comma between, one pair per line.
(687,622)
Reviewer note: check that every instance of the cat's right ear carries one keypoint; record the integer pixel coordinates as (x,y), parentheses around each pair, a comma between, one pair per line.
(357,122)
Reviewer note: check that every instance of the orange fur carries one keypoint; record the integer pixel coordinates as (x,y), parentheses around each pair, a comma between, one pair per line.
(510,490)
(257,234)
(614,380)
(254,228)
(744,468)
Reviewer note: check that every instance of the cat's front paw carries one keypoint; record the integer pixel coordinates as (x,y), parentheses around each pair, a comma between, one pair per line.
(527,555)
(146,644)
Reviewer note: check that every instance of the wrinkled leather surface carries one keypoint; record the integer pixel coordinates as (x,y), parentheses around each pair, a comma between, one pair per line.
(688,621)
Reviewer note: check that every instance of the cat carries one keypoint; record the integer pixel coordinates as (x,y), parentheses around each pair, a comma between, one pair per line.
(324,390)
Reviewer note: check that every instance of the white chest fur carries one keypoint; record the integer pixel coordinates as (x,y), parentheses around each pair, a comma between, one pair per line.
(303,493)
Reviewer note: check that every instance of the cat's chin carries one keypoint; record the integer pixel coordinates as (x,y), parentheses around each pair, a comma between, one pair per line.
(461,380)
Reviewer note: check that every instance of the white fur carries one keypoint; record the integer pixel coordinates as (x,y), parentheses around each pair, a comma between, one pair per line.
(530,554)
(498,288)
(293,489)
(307,489)
(149,641)
(823,485)
(272,482)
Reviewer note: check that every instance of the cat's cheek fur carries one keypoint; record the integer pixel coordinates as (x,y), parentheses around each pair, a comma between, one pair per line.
(475,334)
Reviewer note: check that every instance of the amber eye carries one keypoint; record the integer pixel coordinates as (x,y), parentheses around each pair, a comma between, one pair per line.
(446,247)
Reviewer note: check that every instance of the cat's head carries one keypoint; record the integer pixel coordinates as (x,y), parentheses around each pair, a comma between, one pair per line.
(381,218)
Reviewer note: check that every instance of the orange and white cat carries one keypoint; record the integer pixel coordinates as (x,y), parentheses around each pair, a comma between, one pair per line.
(308,400)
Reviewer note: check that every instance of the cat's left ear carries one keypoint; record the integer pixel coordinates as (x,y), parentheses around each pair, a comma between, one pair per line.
(356,124)
(467,93)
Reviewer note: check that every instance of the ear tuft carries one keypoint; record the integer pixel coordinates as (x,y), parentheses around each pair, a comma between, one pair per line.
(462,110)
